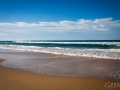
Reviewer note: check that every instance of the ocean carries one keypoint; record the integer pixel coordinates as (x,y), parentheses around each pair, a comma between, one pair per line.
(71,58)
(109,49)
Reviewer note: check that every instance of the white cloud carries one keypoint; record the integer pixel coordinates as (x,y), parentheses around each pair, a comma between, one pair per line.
(104,24)
(2,34)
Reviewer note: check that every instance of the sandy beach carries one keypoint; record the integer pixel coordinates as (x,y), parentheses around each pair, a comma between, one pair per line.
(59,44)
(17,72)
(14,79)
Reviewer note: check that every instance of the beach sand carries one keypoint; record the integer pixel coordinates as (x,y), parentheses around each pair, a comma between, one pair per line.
(15,79)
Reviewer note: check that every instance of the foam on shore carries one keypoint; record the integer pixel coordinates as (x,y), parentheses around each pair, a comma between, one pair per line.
(60,65)
(97,53)
(14,79)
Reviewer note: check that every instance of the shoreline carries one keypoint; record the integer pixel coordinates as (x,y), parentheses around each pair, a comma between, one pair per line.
(60,65)
(16,78)
(1,60)
(12,79)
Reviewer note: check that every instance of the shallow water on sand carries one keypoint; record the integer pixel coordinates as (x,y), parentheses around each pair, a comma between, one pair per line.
(60,65)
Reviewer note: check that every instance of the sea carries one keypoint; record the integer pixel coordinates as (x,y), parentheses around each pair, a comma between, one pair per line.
(108,49)
(71,58)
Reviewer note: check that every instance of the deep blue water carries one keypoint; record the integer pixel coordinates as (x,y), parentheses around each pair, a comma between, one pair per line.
(100,44)
(88,48)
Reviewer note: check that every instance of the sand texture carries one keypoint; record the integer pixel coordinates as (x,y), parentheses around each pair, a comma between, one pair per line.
(13,79)
(20,71)
(60,65)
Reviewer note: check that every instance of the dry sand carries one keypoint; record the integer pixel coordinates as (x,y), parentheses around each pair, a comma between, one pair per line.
(14,79)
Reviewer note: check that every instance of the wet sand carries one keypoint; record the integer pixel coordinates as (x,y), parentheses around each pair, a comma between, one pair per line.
(20,75)
(14,79)
(60,65)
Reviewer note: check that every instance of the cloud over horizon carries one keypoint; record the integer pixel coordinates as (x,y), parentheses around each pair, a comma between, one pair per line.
(103,24)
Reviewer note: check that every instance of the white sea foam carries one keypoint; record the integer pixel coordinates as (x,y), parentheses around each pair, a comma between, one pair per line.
(103,43)
(98,53)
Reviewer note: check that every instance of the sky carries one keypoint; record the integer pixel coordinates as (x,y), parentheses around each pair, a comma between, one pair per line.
(59,19)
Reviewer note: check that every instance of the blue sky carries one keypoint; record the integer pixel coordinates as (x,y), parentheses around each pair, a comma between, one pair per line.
(59,19)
